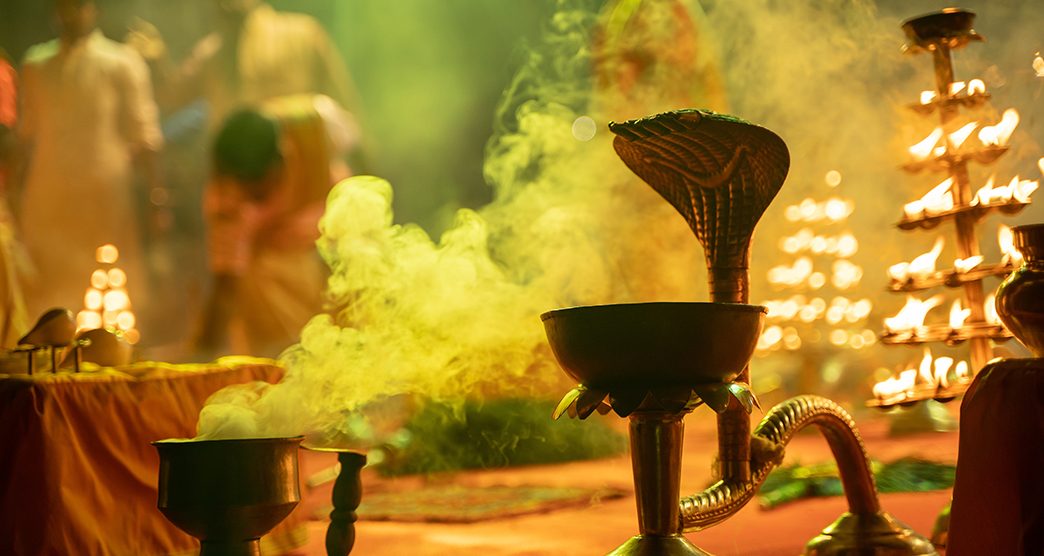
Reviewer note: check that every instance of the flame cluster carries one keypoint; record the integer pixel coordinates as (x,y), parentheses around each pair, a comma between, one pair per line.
(844,275)
(939,143)
(923,266)
(829,211)
(106,302)
(776,337)
(843,245)
(910,319)
(1017,190)
(839,311)
(969,89)
(933,375)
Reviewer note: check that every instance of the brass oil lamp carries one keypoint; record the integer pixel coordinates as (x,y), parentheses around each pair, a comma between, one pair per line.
(652,363)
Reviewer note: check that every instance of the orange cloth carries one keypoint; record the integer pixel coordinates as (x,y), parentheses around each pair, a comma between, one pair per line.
(77,474)
(998,494)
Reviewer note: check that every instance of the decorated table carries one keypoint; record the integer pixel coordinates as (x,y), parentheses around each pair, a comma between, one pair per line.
(77,472)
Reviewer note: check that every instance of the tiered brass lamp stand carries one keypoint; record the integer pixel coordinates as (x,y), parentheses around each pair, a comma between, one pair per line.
(938,34)
(654,362)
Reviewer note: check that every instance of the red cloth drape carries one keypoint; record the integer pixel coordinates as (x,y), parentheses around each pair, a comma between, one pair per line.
(998,494)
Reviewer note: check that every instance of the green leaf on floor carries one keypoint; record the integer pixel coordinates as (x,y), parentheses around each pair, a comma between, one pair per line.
(795,482)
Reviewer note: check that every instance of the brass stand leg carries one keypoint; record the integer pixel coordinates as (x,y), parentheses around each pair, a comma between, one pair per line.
(347,493)
(656,451)
(250,547)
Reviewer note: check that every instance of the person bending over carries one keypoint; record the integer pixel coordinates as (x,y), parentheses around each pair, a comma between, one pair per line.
(272,170)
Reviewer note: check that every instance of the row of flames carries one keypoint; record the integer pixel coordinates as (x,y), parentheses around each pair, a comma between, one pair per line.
(844,275)
(923,266)
(996,135)
(940,199)
(801,308)
(808,210)
(910,319)
(932,376)
(106,302)
(843,245)
(776,337)
(969,89)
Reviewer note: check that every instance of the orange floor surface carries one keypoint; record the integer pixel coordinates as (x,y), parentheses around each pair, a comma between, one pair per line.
(598,529)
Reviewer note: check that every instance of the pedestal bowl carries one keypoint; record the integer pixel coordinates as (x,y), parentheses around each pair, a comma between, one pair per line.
(651,345)
(227,493)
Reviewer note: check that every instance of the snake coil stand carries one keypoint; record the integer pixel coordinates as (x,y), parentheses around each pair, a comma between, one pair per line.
(654,362)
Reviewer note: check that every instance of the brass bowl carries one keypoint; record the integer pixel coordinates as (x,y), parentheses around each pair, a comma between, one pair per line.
(952,26)
(652,345)
(227,493)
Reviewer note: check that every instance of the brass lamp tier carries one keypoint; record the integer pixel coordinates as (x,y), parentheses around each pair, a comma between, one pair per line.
(950,278)
(939,33)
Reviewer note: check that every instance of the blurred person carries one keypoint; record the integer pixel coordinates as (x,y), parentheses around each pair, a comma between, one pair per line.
(88,115)
(14,320)
(273,167)
(256,54)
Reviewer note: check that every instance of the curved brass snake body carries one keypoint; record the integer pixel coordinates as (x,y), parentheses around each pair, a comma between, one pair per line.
(726,497)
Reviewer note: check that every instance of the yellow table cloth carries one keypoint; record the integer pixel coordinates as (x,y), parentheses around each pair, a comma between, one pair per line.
(77,472)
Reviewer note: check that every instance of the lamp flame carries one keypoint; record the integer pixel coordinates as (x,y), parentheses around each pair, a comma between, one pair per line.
(1006,242)
(938,200)
(967,265)
(999,133)
(923,148)
(940,376)
(931,373)
(912,315)
(793,275)
(958,315)
(957,138)
(921,267)
(1018,190)
(990,310)
(976,86)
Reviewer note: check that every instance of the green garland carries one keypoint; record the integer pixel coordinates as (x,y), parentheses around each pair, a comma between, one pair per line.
(787,484)
(496,433)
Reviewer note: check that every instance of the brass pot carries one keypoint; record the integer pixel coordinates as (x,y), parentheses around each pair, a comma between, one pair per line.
(1020,297)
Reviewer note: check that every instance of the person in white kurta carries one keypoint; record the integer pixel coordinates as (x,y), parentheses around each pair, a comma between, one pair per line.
(88,111)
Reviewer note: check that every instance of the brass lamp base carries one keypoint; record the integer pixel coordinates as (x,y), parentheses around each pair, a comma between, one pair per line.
(876,534)
(250,547)
(650,545)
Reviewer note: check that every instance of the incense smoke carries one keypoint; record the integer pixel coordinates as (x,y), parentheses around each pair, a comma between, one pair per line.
(569,225)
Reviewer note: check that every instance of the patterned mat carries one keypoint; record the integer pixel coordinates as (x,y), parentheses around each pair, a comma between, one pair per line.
(462,504)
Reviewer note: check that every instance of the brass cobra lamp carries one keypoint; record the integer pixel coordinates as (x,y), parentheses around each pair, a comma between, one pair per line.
(655,362)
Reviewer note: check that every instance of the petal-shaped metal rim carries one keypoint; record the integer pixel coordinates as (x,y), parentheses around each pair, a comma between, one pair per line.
(588,401)
(567,401)
(744,395)
(716,396)
(582,401)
